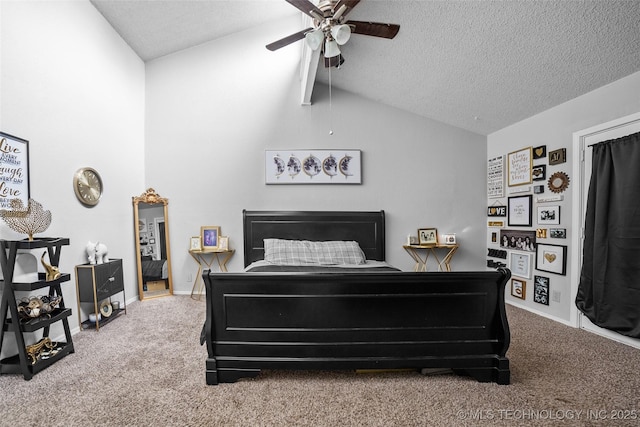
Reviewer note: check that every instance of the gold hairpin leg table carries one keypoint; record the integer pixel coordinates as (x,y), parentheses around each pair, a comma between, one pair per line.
(205,260)
(421,253)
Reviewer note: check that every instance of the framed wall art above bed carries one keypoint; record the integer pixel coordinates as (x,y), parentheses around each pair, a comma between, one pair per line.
(313,167)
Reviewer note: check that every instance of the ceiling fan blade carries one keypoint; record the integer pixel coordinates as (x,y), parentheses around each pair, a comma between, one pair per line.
(307,8)
(376,29)
(348,6)
(335,61)
(288,40)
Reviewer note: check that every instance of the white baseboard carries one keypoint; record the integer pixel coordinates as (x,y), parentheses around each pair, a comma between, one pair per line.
(540,313)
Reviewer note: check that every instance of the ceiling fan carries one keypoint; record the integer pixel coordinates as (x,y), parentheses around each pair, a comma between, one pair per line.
(330,29)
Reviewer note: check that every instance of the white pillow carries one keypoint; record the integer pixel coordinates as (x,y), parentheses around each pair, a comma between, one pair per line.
(306,252)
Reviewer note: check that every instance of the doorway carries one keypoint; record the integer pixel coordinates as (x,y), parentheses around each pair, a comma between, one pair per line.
(582,141)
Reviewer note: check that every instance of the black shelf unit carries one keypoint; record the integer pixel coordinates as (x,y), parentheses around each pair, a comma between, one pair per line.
(12,323)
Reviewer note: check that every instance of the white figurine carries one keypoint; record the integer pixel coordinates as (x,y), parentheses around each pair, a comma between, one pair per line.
(97,253)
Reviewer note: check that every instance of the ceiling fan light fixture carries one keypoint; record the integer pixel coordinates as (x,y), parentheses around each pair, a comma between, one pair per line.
(331,49)
(314,38)
(341,33)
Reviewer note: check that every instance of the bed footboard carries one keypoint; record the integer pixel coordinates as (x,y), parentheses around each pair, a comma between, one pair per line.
(325,321)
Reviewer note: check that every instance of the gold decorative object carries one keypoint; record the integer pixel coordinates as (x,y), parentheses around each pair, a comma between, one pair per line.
(150,196)
(152,207)
(34,219)
(53,272)
(558,182)
(34,350)
(87,185)
(34,307)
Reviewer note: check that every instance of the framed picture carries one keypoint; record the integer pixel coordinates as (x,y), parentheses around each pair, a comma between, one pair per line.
(520,240)
(194,244)
(448,239)
(520,211)
(552,258)
(427,236)
(539,172)
(210,235)
(497,211)
(558,233)
(519,164)
(540,152)
(14,171)
(557,157)
(520,264)
(518,288)
(495,177)
(541,290)
(313,166)
(549,215)
(224,243)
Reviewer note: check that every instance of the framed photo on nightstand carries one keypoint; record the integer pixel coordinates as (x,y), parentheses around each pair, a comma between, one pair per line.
(195,244)
(210,237)
(427,236)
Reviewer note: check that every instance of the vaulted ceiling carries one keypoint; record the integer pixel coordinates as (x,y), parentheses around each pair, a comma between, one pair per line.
(480,65)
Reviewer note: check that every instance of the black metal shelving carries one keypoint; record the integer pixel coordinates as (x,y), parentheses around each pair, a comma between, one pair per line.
(12,323)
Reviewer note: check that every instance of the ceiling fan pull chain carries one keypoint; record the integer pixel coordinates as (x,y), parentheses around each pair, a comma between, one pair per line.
(330,105)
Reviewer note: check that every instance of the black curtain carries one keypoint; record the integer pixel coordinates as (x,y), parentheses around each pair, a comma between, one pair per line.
(609,289)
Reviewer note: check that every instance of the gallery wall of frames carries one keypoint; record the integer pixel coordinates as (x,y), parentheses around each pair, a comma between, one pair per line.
(526,228)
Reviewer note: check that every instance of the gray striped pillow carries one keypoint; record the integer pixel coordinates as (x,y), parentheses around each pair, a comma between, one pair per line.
(306,252)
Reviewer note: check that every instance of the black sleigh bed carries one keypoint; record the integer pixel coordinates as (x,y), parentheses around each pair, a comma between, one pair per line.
(349,317)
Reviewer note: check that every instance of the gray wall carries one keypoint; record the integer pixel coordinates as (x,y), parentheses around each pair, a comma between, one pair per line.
(213,110)
(72,87)
(555,128)
(195,125)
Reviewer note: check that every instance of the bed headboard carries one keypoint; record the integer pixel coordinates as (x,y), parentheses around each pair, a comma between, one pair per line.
(366,228)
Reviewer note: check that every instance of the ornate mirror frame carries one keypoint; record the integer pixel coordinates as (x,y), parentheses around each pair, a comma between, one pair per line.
(143,239)
(558,182)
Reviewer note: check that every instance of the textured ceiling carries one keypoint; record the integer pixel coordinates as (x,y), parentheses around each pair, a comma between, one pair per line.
(480,65)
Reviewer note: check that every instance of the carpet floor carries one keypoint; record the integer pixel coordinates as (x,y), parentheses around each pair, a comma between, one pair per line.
(148,368)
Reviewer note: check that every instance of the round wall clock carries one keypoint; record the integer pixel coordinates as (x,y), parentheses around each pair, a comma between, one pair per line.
(87,185)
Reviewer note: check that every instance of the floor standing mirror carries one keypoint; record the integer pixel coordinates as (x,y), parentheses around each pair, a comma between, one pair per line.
(153,252)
